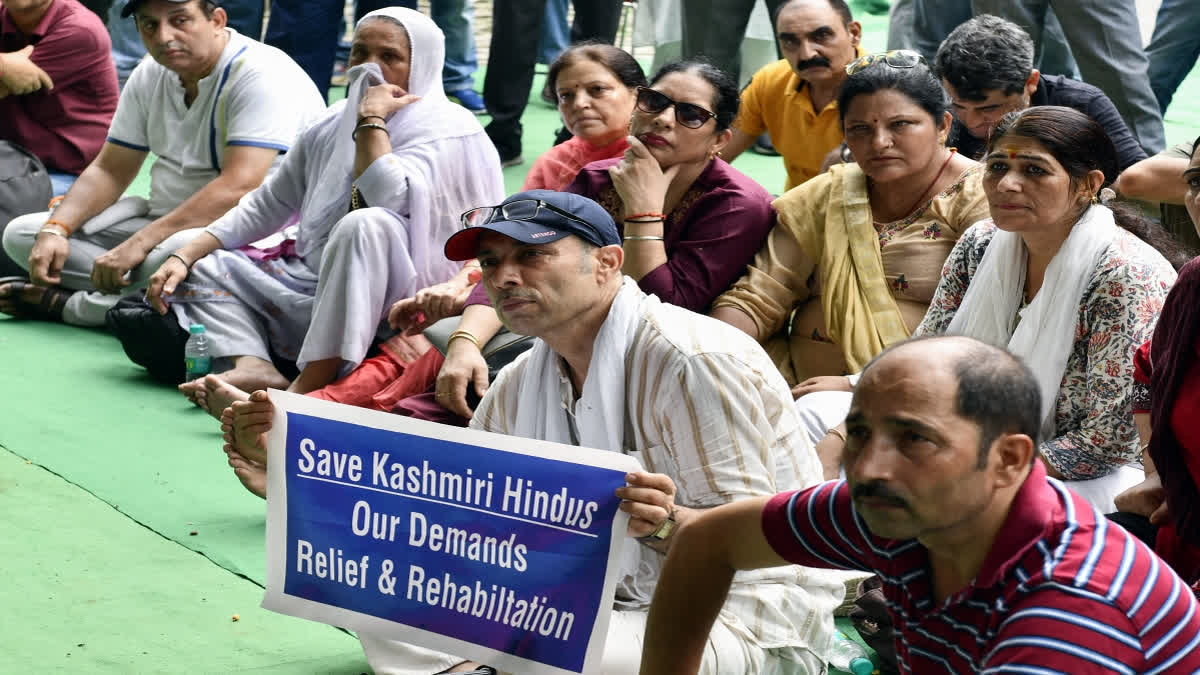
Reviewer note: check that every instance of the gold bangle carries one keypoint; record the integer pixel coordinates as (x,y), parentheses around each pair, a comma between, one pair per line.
(466,335)
(837,432)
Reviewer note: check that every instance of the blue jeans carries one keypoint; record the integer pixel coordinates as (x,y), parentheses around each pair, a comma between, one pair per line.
(1174,48)
(456,18)
(60,182)
(556,32)
(127,47)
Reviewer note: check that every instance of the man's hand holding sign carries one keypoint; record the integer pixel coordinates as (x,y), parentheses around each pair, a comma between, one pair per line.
(499,549)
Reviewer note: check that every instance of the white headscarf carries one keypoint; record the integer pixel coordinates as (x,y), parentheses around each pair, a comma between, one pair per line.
(1045,335)
(444,179)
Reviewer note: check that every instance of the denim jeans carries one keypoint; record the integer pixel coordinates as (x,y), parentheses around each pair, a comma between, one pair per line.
(127,47)
(556,32)
(60,182)
(1174,48)
(456,18)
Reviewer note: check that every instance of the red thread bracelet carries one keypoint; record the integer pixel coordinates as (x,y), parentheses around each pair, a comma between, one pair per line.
(660,216)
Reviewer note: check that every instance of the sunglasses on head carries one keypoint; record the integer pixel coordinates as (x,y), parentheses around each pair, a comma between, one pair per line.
(896,58)
(520,209)
(689,115)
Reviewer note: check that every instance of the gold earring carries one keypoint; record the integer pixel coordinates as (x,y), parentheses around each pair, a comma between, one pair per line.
(1095,199)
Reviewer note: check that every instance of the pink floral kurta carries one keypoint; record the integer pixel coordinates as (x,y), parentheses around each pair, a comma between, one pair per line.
(1094,411)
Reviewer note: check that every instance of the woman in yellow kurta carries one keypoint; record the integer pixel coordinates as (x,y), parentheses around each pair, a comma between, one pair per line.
(858,251)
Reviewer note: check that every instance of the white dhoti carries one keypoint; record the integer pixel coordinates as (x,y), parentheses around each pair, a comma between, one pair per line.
(726,652)
(107,230)
(252,307)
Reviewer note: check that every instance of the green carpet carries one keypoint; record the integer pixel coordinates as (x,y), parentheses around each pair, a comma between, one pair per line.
(105,475)
(90,590)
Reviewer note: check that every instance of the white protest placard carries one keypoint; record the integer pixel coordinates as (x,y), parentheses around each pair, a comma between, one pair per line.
(492,548)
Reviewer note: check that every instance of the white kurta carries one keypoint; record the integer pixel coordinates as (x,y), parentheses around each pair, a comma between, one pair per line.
(327,295)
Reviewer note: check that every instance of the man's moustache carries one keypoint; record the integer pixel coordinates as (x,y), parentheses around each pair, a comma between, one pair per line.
(877,490)
(815,62)
(520,295)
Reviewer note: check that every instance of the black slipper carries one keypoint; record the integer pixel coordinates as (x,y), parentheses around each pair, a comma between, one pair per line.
(49,308)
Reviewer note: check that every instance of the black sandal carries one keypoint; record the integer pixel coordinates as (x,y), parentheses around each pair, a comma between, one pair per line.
(49,308)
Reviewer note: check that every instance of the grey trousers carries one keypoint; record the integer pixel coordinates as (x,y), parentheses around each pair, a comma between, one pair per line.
(715,29)
(88,309)
(931,21)
(900,25)
(1105,40)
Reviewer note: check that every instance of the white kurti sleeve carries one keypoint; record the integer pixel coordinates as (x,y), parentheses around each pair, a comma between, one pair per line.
(269,207)
(385,184)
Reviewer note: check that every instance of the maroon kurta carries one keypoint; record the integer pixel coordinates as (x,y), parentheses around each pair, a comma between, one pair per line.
(64,126)
(710,236)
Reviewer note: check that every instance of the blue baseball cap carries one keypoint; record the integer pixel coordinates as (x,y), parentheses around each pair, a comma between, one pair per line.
(535,217)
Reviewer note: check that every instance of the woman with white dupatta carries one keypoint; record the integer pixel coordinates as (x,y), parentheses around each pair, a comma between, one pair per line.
(1067,283)
(374,188)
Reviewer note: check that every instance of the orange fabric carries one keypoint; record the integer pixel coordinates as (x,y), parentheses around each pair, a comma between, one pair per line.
(402,369)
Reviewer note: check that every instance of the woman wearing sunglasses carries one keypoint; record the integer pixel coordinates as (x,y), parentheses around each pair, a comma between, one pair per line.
(690,225)
(858,250)
(596,86)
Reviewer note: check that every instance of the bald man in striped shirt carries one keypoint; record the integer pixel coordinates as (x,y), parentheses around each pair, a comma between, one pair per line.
(987,565)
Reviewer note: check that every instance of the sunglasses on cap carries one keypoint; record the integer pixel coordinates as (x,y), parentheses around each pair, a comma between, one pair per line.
(896,58)
(519,209)
(689,115)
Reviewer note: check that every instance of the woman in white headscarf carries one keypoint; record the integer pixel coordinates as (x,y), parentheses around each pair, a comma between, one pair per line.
(373,189)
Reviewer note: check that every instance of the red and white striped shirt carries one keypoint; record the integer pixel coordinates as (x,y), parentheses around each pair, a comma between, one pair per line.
(1063,590)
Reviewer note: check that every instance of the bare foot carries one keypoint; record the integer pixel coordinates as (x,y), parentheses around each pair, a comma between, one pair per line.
(251,374)
(193,390)
(219,394)
(252,474)
(244,425)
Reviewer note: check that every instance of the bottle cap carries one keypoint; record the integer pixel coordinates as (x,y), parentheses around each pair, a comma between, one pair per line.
(196,329)
(861,666)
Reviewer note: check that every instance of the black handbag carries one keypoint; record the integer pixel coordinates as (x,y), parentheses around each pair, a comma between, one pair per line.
(153,341)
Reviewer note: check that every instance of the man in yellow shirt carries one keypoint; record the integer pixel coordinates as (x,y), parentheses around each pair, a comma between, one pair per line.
(795,98)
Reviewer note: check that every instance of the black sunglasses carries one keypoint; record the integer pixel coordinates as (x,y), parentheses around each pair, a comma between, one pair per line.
(689,115)
(520,209)
(896,58)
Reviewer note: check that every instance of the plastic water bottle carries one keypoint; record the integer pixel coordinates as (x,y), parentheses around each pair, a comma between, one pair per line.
(195,353)
(849,656)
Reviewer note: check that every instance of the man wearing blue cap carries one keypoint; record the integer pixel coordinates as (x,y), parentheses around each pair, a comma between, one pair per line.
(698,403)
